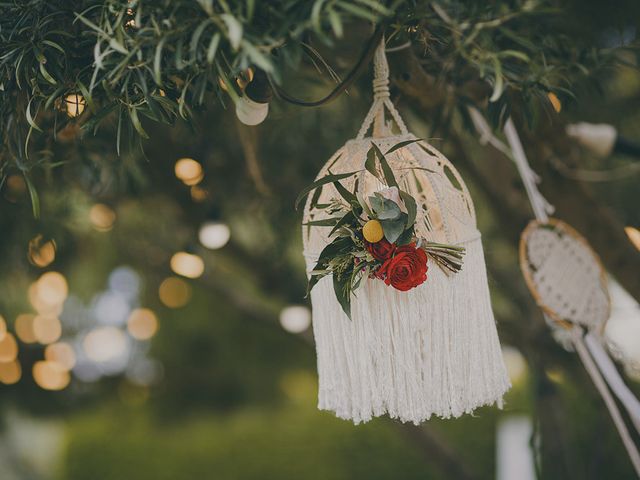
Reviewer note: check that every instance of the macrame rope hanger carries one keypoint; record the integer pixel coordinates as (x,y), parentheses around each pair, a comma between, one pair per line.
(589,348)
(381,99)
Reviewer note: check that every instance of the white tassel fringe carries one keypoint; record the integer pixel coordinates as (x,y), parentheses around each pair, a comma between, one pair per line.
(433,350)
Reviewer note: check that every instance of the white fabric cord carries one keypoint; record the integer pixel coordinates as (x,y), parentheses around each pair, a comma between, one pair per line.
(380,100)
(610,373)
(541,208)
(598,381)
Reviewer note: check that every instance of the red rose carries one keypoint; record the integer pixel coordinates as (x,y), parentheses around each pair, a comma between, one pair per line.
(406,269)
(382,250)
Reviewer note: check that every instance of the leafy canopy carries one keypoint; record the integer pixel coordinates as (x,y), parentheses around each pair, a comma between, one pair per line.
(130,62)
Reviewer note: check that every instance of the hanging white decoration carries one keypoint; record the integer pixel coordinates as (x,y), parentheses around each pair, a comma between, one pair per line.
(430,350)
(564,274)
(569,283)
(549,246)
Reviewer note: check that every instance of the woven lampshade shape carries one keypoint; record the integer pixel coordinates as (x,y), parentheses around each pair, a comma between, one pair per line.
(433,350)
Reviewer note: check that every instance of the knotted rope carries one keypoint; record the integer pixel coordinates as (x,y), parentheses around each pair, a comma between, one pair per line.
(381,100)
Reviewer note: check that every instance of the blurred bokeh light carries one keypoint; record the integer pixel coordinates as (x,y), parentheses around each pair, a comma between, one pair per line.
(174,292)
(102,217)
(50,375)
(295,318)
(187,264)
(214,235)
(142,324)
(189,171)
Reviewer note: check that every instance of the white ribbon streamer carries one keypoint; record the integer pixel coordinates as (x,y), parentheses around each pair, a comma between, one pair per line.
(598,381)
(615,381)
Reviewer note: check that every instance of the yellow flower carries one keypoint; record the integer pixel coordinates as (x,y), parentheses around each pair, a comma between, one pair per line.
(372,231)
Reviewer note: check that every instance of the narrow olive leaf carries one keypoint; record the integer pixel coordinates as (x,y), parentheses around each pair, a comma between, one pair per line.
(342,289)
(344,193)
(213,47)
(370,163)
(412,208)
(33,194)
(52,98)
(375,5)
(30,119)
(257,57)
(313,280)
(336,23)
(360,12)
(88,98)
(515,54)
(133,113)
(427,149)
(364,204)
(119,131)
(178,57)
(315,198)
(498,85)
(251,6)
(207,6)
(386,169)
(90,24)
(195,38)
(327,253)
(347,218)
(320,182)
(400,145)
(234,29)
(316,10)
(117,46)
(157,62)
(325,222)
(54,45)
(46,74)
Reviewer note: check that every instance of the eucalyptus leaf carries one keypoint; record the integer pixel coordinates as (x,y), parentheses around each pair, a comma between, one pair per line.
(393,228)
(390,210)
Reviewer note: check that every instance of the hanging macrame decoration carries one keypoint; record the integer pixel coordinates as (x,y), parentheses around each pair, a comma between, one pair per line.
(402,317)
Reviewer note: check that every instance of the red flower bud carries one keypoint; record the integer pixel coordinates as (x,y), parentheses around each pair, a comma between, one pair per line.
(406,269)
(382,250)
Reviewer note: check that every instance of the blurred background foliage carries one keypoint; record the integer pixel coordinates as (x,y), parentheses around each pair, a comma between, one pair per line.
(217,378)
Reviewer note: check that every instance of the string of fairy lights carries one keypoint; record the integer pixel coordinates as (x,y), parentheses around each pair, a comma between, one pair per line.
(110,334)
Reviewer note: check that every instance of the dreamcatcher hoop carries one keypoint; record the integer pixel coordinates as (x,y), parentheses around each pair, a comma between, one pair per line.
(555,247)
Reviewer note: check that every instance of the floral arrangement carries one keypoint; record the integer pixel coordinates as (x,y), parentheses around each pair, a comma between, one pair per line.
(375,237)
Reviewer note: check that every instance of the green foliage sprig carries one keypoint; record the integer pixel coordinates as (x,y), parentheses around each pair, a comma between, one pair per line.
(134,62)
(348,257)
